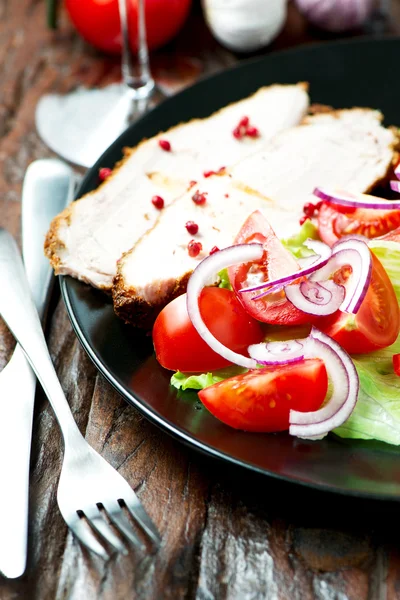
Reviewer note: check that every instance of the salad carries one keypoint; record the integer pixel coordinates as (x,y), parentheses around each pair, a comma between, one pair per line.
(301,334)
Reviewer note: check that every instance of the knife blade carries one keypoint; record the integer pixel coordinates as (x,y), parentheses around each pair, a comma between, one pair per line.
(49,185)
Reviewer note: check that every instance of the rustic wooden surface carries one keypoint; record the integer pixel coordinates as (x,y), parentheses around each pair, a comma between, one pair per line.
(226,534)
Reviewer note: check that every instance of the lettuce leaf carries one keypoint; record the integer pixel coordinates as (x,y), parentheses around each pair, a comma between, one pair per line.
(224,280)
(377,412)
(199,381)
(295,243)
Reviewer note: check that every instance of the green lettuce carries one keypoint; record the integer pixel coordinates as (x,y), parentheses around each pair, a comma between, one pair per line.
(224,280)
(295,243)
(377,412)
(199,381)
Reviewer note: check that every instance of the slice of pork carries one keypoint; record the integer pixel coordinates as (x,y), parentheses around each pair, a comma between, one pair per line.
(158,267)
(345,148)
(348,149)
(88,238)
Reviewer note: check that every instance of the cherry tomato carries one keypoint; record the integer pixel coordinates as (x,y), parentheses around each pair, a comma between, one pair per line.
(335,221)
(277,261)
(377,322)
(179,347)
(396,363)
(261,400)
(98,21)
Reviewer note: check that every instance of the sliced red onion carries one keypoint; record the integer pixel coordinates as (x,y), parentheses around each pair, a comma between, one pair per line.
(355,200)
(343,375)
(277,353)
(352,252)
(316,298)
(228,257)
(323,255)
(397,171)
(395,185)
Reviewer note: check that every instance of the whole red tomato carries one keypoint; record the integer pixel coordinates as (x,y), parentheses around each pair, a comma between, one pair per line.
(98,21)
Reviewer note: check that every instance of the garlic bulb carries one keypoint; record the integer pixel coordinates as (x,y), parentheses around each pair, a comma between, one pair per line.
(336,15)
(245,25)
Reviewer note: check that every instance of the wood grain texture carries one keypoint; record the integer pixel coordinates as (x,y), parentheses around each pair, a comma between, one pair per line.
(226,533)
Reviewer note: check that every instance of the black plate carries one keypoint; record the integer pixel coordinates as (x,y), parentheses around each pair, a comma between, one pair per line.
(345,74)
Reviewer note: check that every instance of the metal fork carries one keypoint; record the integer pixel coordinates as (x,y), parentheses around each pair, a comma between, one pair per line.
(87,482)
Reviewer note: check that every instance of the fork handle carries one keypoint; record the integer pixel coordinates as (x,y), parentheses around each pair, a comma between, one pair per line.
(19,312)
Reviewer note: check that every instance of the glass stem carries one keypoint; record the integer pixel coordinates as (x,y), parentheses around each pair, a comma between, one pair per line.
(136,72)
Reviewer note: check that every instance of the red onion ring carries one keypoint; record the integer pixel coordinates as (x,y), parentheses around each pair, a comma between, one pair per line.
(277,353)
(395,185)
(207,268)
(343,374)
(322,250)
(354,252)
(355,200)
(315,298)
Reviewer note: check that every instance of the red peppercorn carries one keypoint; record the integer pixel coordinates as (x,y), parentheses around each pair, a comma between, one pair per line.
(165,145)
(244,121)
(226,195)
(194,248)
(158,202)
(104,173)
(214,249)
(192,227)
(221,170)
(252,131)
(208,173)
(309,209)
(192,183)
(303,220)
(199,198)
(238,133)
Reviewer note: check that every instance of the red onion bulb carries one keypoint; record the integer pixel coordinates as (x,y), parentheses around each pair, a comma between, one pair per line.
(336,15)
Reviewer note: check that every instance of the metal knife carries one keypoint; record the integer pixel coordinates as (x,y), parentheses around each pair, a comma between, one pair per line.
(48,186)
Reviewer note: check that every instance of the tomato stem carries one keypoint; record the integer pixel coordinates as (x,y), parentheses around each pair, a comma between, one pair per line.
(52,10)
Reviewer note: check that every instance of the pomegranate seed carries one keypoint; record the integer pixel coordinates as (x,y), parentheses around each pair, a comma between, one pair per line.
(208,173)
(238,133)
(194,248)
(244,122)
(226,195)
(104,173)
(165,145)
(199,198)
(318,205)
(192,227)
(303,220)
(309,209)
(252,131)
(214,249)
(158,202)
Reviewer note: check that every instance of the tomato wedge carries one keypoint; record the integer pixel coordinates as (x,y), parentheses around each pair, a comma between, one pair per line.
(376,324)
(261,400)
(274,308)
(335,221)
(179,347)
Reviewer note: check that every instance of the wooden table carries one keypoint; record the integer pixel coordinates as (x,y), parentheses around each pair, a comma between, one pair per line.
(226,533)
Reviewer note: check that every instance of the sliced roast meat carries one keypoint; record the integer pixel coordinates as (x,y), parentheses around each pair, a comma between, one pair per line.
(88,238)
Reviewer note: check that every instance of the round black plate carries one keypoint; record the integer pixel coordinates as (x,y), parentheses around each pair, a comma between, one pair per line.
(345,74)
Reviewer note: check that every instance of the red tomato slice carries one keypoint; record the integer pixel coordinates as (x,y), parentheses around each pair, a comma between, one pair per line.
(335,221)
(277,261)
(260,400)
(392,236)
(396,363)
(376,324)
(179,347)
